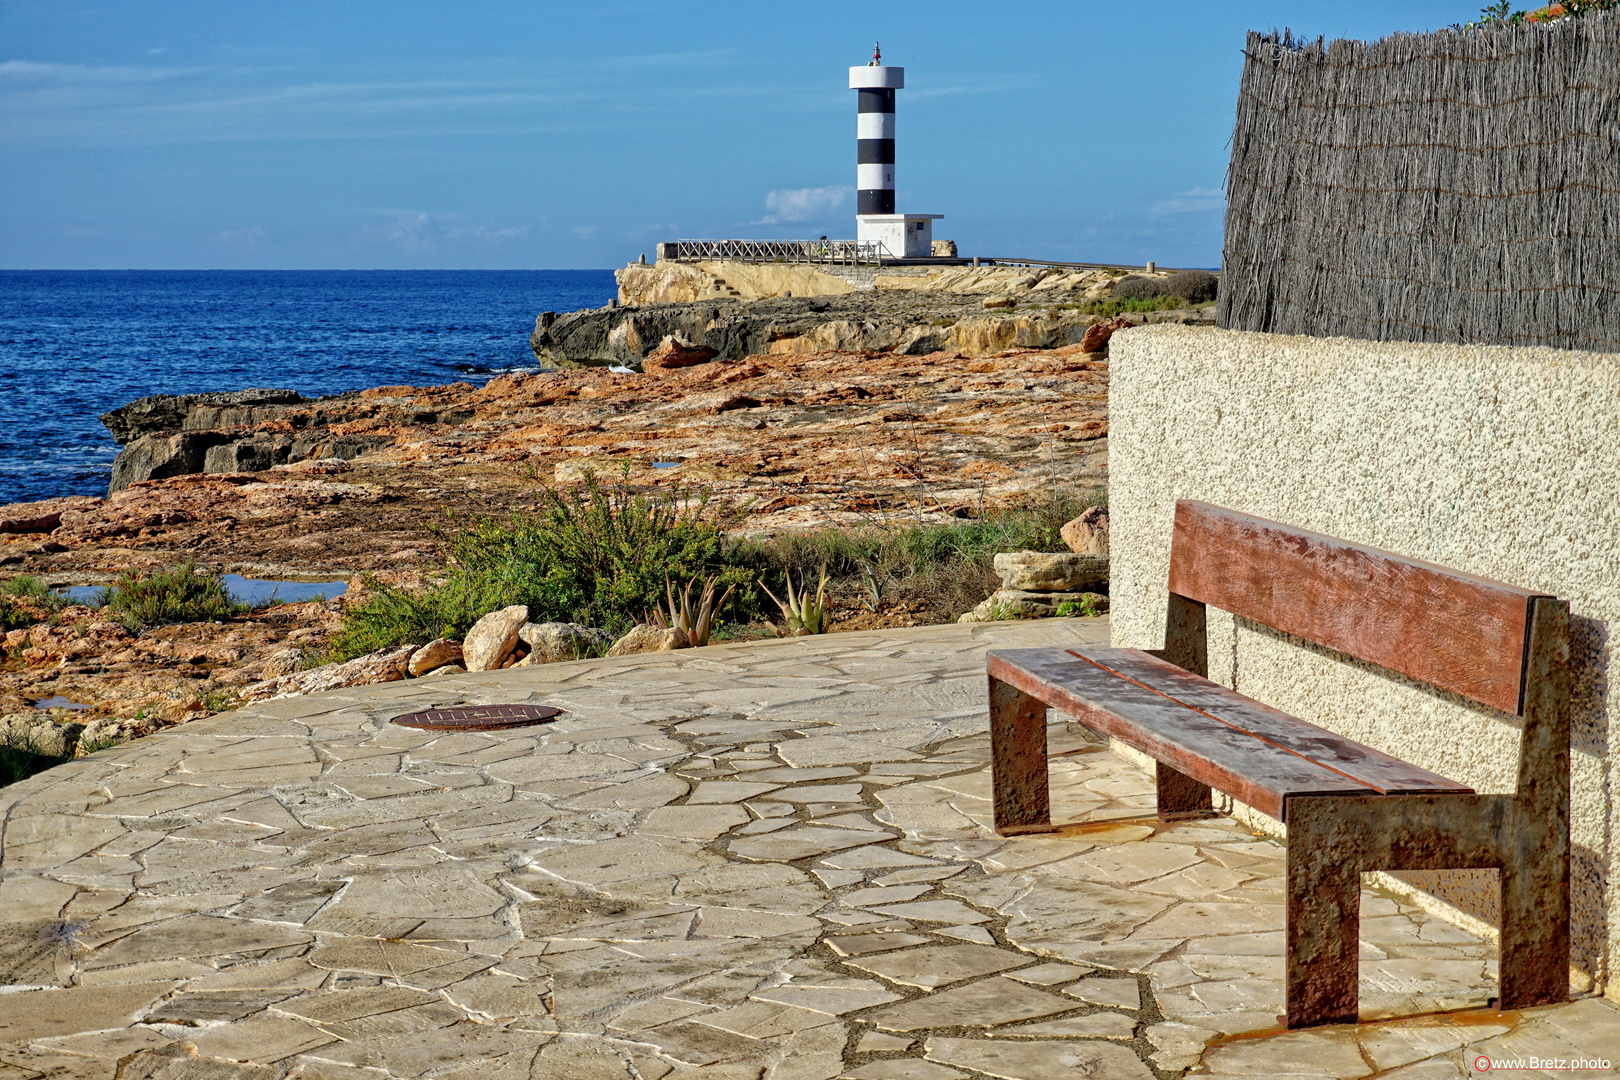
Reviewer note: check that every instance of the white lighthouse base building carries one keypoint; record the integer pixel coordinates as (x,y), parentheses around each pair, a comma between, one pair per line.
(903,236)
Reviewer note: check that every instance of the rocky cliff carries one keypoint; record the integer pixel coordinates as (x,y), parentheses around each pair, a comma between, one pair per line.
(911,322)
(253,430)
(695,282)
(163,413)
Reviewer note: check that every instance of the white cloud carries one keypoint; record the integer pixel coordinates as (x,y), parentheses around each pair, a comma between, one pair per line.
(248,239)
(803,204)
(1196,201)
(14,72)
(65,104)
(415,232)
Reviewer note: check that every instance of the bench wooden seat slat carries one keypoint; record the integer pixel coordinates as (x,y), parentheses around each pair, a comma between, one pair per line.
(1260,774)
(1453,630)
(1382,773)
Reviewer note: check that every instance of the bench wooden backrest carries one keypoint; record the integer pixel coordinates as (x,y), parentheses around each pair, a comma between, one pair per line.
(1462,633)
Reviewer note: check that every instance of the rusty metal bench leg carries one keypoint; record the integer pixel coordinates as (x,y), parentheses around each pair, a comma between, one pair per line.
(1333,840)
(1018,761)
(1535,865)
(1181,797)
(1324,918)
(1534,967)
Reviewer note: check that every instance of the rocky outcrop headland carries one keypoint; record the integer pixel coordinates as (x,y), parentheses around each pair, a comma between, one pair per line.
(973,311)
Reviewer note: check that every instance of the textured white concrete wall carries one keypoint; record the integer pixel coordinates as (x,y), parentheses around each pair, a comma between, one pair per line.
(1504,462)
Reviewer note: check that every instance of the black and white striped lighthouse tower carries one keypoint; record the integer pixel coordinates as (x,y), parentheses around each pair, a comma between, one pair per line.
(874,133)
(901,235)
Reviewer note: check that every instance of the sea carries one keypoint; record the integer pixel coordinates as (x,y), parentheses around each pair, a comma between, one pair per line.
(77,343)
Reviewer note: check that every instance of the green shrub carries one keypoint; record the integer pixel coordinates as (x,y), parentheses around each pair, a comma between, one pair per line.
(943,570)
(37,602)
(1086,608)
(883,550)
(1193,286)
(1502,12)
(1139,288)
(594,555)
(1114,305)
(102,742)
(392,616)
(181,595)
(13,616)
(34,591)
(219,701)
(603,556)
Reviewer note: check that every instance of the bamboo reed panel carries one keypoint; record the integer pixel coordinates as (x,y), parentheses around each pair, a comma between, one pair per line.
(1447,187)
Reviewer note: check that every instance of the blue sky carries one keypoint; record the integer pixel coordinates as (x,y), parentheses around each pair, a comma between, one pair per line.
(216,133)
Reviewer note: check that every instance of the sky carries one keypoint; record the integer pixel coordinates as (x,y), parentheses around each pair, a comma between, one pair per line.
(195,134)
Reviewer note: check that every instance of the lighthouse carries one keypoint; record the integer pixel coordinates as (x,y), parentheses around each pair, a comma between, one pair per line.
(902,236)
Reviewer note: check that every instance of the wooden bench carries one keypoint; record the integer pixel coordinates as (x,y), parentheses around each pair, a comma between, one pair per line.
(1348,808)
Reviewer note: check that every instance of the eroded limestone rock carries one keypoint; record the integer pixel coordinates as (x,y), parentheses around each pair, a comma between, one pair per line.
(1088,533)
(1098,336)
(164,413)
(40,734)
(155,457)
(1049,571)
(385,665)
(552,642)
(1028,604)
(492,638)
(434,655)
(674,353)
(282,662)
(647,638)
(42,516)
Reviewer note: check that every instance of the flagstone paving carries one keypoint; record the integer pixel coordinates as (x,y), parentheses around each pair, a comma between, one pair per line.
(765,860)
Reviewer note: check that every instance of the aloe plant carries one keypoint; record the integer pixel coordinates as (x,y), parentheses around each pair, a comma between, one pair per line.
(872,589)
(802,614)
(694,624)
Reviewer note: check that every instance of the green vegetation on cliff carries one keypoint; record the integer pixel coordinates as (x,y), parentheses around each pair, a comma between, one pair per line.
(184,594)
(602,555)
(594,555)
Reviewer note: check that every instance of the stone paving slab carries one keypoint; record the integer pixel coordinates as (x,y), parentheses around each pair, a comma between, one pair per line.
(770,860)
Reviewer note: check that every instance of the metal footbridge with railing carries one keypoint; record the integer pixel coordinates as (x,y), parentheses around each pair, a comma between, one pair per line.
(847,252)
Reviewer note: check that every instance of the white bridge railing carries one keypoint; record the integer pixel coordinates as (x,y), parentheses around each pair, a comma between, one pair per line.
(793,251)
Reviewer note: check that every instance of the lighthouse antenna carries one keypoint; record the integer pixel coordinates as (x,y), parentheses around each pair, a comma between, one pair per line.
(877,55)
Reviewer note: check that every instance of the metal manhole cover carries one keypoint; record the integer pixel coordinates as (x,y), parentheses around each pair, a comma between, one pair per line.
(478,717)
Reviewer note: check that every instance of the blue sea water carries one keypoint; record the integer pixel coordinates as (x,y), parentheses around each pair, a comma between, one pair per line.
(74,344)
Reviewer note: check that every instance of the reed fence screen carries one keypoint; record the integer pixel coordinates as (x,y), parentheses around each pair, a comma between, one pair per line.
(1458,186)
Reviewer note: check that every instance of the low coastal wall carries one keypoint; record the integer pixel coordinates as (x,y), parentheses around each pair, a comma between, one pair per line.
(1503,462)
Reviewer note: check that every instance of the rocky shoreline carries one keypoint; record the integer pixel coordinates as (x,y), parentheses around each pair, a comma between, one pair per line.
(898,406)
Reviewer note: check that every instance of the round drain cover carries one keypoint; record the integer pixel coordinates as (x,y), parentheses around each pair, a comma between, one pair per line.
(478,717)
